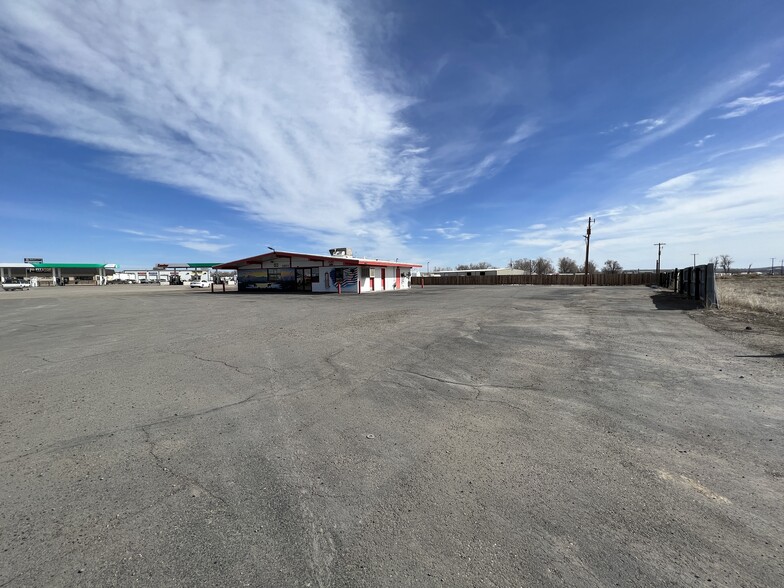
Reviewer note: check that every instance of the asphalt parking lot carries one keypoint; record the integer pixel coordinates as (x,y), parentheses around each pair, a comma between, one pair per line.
(477,436)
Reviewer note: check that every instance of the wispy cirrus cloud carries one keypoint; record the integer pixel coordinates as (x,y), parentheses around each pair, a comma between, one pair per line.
(524,130)
(266,108)
(676,185)
(687,112)
(195,239)
(749,147)
(701,142)
(748,104)
(452,230)
(464,164)
(200,233)
(706,211)
(642,126)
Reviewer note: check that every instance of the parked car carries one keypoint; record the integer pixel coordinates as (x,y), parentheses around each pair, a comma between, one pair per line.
(16,285)
(200,284)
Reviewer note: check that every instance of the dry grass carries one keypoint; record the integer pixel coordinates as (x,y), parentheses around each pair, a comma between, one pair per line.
(751,292)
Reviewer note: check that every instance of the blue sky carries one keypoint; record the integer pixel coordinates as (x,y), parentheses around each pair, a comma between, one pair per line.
(444,132)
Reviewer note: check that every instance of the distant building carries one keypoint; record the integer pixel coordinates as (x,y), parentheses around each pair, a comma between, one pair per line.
(490,271)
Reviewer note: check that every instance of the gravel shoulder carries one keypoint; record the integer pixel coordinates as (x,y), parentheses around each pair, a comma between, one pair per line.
(761,331)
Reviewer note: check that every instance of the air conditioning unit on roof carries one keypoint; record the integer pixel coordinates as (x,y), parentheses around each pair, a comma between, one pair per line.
(341,252)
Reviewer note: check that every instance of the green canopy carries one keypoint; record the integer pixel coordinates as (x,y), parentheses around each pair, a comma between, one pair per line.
(69,265)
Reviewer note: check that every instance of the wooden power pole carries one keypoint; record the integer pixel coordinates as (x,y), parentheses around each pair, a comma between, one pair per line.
(658,260)
(587,248)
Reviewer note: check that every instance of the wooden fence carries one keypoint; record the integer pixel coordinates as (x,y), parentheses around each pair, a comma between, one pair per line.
(623,279)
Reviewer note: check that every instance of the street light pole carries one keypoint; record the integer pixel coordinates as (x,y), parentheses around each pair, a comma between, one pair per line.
(428,268)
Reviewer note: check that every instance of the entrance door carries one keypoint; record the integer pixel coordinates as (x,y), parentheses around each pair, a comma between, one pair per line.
(304,280)
(372,279)
(397,278)
(383,278)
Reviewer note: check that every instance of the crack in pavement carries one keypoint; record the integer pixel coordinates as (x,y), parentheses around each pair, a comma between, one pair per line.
(476,387)
(77,441)
(220,361)
(159,462)
(44,359)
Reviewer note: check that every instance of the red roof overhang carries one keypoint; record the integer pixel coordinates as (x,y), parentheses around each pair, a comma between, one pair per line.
(377,263)
(344,260)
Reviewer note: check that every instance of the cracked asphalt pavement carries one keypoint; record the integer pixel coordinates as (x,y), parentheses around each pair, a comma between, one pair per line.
(477,436)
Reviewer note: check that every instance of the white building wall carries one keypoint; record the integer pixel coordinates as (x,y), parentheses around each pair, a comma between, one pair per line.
(389,283)
(327,271)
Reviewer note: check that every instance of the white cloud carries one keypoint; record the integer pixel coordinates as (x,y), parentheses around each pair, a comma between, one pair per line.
(706,211)
(674,185)
(452,230)
(647,125)
(466,163)
(202,246)
(201,233)
(758,145)
(747,104)
(701,142)
(538,226)
(523,131)
(612,130)
(196,239)
(688,111)
(265,107)
(98,203)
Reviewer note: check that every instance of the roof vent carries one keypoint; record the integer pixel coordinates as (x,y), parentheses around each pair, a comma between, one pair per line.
(341,252)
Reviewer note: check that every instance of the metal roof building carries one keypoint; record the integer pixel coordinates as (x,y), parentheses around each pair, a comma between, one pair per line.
(58,273)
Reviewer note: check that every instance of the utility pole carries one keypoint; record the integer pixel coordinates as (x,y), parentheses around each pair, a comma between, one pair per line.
(587,248)
(658,259)
(772,260)
(694,260)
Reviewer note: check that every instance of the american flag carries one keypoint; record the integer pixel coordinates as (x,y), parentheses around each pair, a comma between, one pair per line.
(349,277)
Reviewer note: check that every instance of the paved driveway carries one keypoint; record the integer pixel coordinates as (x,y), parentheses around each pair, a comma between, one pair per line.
(478,436)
